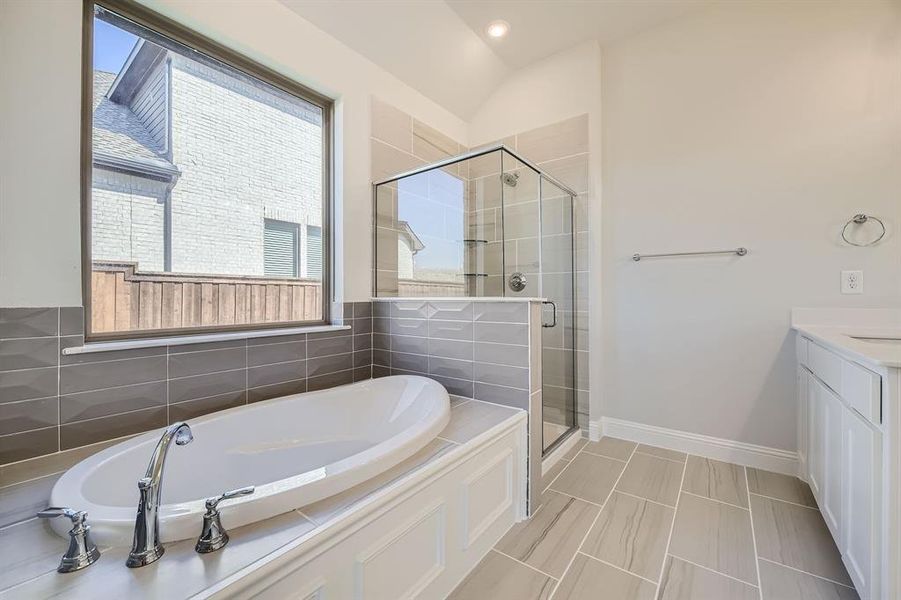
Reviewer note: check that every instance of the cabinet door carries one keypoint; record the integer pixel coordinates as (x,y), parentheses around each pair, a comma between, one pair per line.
(832,460)
(803,425)
(815,449)
(861,477)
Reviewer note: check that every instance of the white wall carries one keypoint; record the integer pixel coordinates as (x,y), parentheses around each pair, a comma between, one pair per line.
(765,125)
(40,116)
(39,132)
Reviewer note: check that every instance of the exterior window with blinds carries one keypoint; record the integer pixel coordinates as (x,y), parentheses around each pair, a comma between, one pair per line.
(314,252)
(281,244)
(205,185)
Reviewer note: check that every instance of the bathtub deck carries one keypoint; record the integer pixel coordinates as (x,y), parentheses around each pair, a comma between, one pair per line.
(31,551)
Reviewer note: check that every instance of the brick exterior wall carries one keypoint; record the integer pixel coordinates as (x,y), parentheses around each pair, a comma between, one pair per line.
(245,154)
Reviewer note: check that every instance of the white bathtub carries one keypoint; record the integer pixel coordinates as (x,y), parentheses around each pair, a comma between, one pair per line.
(296,450)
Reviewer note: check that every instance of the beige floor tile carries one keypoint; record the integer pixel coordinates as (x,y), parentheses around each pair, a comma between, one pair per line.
(783,487)
(501,578)
(685,581)
(796,536)
(661,452)
(653,478)
(575,449)
(780,582)
(717,480)
(551,537)
(715,535)
(589,477)
(588,579)
(631,534)
(555,470)
(612,448)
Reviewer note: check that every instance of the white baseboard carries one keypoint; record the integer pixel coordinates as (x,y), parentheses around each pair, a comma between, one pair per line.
(741,453)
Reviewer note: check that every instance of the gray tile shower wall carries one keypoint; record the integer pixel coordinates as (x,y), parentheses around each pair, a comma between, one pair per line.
(475,348)
(51,402)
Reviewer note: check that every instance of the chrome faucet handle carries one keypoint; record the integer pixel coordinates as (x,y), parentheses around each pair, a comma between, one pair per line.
(82,551)
(213,535)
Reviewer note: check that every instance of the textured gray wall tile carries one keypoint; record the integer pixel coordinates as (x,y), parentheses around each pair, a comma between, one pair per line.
(457,387)
(451,330)
(458,349)
(92,376)
(93,404)
(329,346)
(273,353)
(82,433)
(503,312)
(28,353)
(446,367)
(347,310)
(201,386)
(183,411)
(451,310)
(516,377)
(71,320)
(277,373)
(209,361)
(410,362)
(381,341)
(409,309)
(277,339)
(502,354)
(381,357)
(502,333)
(381,309)
(380,371)
(27,384)
(362,358)
(413,345)
(362,309)
(362,342)
(207,346)
(20,446)
(330,334)
(28,414)
(381,325)
(28,322)
(329,364)
(417,327)
(274,391)
(501,395)
(330,380)
(363,325)
(362,373)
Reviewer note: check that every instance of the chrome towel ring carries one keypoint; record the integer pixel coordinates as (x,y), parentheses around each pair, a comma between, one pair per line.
(860,219)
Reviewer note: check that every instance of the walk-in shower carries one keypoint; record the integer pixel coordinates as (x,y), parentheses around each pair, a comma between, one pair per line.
(487,223)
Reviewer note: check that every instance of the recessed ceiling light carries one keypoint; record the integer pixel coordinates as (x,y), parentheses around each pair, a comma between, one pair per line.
(497,29)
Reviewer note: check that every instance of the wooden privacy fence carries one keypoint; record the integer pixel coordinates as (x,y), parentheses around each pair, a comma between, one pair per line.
(411,288)
(125,300)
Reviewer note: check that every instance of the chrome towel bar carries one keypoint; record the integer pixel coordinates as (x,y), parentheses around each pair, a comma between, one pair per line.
(737,251)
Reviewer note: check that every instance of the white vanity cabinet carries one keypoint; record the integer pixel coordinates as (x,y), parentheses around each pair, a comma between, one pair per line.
(842,457)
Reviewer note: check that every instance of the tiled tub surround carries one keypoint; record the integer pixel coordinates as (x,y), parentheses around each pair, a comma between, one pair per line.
(32,551)
(51,402)
(475,348)
(627,521)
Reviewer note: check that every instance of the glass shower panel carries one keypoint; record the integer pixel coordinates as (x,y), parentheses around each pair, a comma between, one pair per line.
(522,228)
(557,285)
(420,227)
(484,243)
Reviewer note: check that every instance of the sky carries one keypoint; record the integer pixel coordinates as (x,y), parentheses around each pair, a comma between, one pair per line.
(111,46)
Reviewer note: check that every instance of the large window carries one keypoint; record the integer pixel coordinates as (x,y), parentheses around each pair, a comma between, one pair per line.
(206,194)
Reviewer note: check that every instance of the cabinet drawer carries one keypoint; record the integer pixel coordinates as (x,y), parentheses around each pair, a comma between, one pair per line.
(862,390)
(825,365)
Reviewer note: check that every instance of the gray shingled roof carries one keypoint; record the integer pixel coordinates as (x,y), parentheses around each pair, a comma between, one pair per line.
(118,132)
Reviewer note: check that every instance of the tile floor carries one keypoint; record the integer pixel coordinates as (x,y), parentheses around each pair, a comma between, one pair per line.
(624,521)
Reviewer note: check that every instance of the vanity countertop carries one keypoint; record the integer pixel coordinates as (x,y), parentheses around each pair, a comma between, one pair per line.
(870,336)
(30,550)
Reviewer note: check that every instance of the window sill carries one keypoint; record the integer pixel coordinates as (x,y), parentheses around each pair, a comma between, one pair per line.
(197,339)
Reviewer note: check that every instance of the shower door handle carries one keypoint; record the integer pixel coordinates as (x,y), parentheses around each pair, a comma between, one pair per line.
(554,314)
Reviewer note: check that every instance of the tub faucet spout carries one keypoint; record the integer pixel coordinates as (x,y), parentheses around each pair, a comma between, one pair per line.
(146,547)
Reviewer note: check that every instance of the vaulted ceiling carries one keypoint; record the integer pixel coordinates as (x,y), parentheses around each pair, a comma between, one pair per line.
(441,48)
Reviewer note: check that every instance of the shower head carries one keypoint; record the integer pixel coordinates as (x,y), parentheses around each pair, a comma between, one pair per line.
(510,179)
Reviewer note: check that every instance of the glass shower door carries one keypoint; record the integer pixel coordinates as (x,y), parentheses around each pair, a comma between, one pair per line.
(558,339)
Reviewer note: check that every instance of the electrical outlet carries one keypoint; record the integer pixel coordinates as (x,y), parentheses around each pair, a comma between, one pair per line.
(852,282)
